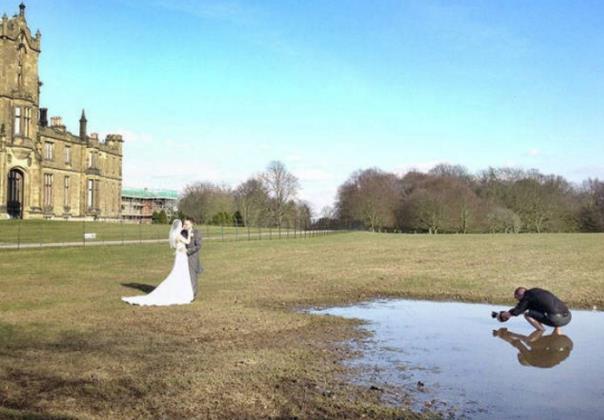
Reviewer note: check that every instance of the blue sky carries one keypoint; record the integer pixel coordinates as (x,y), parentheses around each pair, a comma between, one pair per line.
(215,89)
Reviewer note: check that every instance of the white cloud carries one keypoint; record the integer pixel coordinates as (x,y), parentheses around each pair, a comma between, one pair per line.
(318,198)
(534,152)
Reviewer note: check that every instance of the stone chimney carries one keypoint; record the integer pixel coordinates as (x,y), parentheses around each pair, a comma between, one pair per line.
(57,123)
(83,126)
(43,117)
(22,9)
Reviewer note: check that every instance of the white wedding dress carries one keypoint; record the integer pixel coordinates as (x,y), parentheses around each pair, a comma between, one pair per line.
(176,289)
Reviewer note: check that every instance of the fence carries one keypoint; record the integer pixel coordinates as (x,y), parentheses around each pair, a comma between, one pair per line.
(26,234)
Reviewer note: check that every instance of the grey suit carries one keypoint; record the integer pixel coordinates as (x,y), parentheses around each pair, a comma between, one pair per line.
(195,268)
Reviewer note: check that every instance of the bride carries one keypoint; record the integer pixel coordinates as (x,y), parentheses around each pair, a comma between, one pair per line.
(176,289)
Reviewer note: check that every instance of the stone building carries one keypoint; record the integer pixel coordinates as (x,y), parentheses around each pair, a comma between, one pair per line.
(46,171)
(138,205)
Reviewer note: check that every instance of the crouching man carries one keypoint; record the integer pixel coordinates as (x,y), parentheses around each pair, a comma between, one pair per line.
(539,307)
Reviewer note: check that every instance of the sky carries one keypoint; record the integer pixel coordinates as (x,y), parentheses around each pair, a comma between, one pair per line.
(213,90)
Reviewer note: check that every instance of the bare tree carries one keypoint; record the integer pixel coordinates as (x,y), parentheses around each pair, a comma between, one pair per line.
(204,200)
(304,215)
(428,209)
(451,171)
(590,215)
(438,203)
(252,201)
(503,220)
(282,187)
(369,198)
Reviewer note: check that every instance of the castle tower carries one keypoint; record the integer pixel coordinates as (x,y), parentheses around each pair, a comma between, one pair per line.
(19,84)
(19,52)
(19,103)
(45,170)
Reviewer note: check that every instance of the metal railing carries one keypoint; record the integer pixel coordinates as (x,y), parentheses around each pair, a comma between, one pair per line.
(27,234)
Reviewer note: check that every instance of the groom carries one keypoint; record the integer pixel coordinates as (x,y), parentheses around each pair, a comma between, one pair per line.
(193,249)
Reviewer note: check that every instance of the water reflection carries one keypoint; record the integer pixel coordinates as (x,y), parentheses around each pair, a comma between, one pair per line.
(537,349)
(445,350)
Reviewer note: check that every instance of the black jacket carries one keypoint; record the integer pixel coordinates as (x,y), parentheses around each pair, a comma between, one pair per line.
(540,300)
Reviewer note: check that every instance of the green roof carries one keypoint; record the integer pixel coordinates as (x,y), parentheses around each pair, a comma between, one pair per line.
(149,194)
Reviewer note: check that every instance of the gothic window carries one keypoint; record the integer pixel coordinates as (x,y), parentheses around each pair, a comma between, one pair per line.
(27,122)
(49,151)
(18,118)
(66,200)
(97,194)
(48,178)
(20,53)
(67,155)
(92,160)
(92,189)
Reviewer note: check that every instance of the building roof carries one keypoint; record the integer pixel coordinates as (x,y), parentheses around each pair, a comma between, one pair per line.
(149,194)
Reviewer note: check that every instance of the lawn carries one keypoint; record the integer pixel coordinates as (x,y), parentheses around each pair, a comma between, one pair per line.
(71,348)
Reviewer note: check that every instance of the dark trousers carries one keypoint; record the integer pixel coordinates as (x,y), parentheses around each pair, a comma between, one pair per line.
(552,320)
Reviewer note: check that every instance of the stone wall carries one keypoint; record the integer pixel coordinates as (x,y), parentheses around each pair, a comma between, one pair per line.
(36,150)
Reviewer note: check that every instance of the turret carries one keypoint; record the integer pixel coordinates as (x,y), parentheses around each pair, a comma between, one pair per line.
(115,142)
(19,52)
(83,126)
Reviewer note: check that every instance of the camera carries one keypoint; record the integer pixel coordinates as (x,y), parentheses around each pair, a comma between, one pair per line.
(497,316)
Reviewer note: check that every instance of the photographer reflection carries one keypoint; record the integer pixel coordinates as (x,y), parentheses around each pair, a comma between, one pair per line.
(536,349)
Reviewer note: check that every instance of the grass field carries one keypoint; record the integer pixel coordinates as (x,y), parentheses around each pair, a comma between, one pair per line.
(71,348)
(44,232)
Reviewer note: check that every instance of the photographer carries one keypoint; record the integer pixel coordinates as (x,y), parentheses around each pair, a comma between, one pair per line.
(539,307)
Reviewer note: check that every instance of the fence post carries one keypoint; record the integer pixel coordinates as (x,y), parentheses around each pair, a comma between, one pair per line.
(19,235)
(236,230)
(222,231)
(140,231)
(270,233)
(41,234)
(122,230)
(248,231)
(84,231)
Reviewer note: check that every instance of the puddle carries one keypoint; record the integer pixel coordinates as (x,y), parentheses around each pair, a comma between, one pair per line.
(447,358)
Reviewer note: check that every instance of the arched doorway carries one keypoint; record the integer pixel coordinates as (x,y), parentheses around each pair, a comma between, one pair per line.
(14,202)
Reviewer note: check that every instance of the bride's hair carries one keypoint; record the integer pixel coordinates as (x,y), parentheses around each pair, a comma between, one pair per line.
(174,232)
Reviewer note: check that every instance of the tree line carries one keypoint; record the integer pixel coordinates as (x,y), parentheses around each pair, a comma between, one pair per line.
(448,199)
(268,199)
